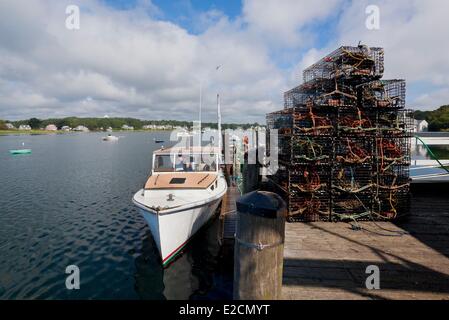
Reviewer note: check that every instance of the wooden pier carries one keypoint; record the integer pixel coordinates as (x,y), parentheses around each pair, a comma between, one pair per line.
(228,216)
(324,260)
(329,260)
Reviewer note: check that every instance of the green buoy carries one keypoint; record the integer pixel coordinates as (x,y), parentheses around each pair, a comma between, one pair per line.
(20,151)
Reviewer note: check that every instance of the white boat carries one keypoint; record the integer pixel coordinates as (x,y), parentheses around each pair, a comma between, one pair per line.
(110,137)
(184,134)
(182,194)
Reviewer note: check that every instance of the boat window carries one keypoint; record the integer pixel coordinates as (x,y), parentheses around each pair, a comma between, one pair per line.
(198,163)
(163,163)
(177,180)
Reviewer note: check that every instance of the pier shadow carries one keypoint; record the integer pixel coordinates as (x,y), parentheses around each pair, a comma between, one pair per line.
(350,277)
(428,220)
(397,273)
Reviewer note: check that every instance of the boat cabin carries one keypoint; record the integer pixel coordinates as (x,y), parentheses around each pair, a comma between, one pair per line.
(197,159)
(194,168)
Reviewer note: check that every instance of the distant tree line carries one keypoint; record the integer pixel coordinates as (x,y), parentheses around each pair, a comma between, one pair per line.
(438,119)
(96,124)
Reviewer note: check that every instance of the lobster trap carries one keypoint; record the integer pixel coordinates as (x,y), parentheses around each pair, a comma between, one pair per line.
(383,94)
(344,140)
(316,150)
(390,205)
(359,63)
(313,121)
(309,207)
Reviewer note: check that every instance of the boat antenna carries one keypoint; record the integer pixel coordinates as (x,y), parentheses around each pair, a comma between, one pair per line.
(219,126)
(201,106)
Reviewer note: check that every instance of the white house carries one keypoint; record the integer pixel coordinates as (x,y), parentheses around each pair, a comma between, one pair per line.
(51,127)
(126,127)
(24,127)
(81,128)
(422,126)
(66,128)
(9,126)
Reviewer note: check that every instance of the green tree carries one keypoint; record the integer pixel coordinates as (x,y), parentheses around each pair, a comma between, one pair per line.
(2,125)
(34,123)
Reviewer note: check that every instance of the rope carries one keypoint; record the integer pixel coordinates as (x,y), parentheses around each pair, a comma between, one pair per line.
(259,246)
(432,154)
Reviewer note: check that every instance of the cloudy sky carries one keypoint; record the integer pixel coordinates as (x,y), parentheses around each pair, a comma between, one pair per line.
(148,58)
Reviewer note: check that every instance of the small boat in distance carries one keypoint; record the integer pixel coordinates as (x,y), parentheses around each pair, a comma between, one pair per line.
(158,140)
(184,134)
(20,151)
(110,137)
(181,195)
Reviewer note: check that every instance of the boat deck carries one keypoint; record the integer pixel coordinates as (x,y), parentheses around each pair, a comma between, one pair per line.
(181,180)
(328,261)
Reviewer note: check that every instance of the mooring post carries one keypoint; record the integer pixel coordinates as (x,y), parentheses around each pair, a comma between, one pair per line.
(259,246)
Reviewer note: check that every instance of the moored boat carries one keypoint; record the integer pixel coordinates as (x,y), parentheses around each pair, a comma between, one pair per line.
(110,137)
(20,151)
(182,194)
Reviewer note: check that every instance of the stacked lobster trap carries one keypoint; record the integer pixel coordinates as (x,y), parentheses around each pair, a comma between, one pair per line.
(344,141)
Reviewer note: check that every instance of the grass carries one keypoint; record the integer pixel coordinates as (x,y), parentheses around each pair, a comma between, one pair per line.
(27,132)
(42,132)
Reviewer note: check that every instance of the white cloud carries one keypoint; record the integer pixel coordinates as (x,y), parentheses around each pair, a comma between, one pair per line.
(415,36)
(130,62)
(430,100)
(283,21)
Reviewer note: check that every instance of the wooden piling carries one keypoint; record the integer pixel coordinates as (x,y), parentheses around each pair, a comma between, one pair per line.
(259,246)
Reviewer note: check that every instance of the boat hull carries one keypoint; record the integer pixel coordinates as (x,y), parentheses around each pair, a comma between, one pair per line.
(110,138)
(173,231)
(21,151)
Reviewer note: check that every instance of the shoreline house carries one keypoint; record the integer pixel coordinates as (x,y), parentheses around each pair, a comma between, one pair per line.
(10,126)
(81,128)
(51,127)
(25,127)
(126,127)
(160,127)
(418,125)
(66,128)
(421,126)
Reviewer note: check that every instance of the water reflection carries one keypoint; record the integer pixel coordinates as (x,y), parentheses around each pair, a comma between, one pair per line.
(419,152)
(195,274)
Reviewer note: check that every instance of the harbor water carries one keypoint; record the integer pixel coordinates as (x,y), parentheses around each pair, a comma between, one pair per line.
(69,203)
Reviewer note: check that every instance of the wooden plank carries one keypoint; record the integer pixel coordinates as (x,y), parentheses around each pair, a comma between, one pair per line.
(228,216)
(325,260)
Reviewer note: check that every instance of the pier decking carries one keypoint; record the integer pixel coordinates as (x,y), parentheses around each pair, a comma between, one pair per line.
(328,261)
(228,217)
(324,260)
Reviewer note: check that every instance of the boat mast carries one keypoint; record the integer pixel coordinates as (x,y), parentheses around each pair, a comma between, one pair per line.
(201,107)
(219,127)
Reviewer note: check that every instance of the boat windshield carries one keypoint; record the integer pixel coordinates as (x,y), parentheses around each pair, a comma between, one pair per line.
(186,163)
(163,163)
